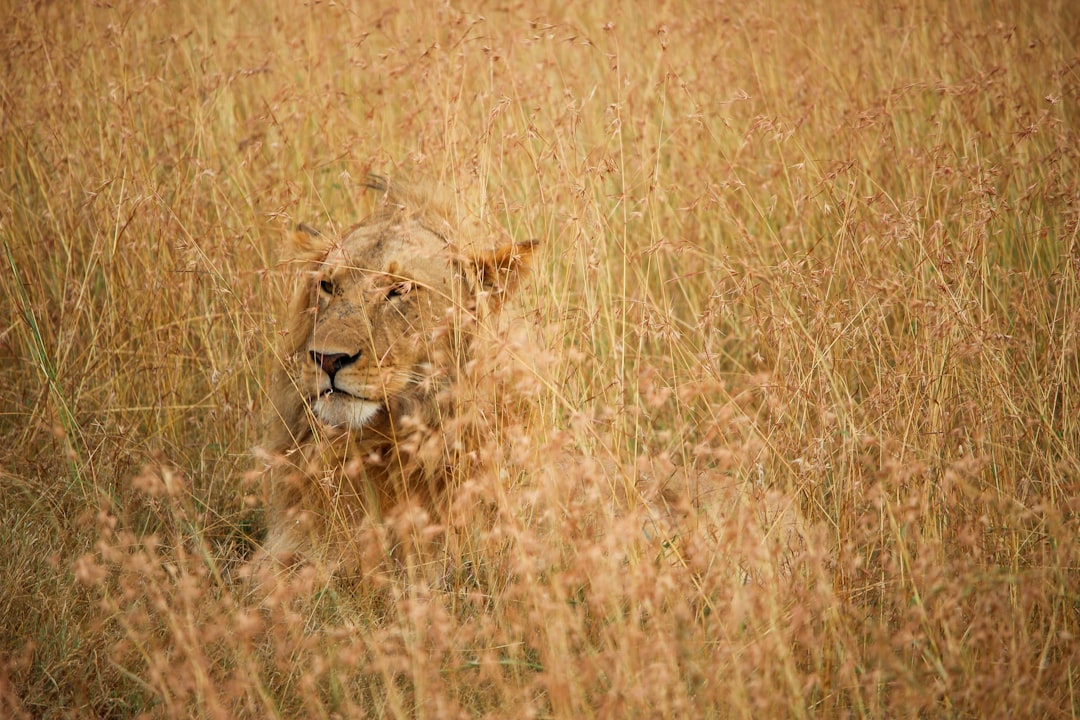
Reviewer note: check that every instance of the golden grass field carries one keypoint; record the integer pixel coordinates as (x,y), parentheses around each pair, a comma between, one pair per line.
(801,436)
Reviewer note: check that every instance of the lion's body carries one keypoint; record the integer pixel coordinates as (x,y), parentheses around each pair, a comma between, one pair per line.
(378,331)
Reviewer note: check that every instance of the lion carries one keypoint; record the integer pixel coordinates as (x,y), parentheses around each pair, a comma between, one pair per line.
(379,329)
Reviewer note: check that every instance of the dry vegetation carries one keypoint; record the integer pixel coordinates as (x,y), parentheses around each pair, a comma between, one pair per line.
(804,438)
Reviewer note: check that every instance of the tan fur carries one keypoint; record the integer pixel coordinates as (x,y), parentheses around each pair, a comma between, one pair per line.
(395,303)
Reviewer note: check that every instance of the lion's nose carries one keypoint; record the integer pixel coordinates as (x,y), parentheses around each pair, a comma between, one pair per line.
(332,362)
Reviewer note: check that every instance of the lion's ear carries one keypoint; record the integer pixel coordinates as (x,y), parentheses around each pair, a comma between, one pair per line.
(305,244)
(498,271)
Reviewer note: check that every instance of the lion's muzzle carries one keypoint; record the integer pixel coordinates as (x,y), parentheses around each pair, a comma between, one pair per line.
(331,363)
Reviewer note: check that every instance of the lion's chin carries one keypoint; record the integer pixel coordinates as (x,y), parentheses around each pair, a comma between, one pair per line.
(341,410)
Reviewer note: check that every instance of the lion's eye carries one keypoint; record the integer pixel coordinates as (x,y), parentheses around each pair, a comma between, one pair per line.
(399,289)
(327,287)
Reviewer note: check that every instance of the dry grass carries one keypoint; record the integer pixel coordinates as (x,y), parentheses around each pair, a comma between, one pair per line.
(804,441)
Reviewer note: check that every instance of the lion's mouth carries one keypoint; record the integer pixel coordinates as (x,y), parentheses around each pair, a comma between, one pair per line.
(344,395)
(338,408)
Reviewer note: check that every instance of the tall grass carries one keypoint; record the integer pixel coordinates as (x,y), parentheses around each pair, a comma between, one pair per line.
(801,439)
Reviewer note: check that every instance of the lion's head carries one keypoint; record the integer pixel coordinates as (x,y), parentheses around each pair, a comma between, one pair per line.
(380,326)
(381,317)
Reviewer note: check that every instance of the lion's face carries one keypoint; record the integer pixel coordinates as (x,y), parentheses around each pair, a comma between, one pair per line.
(377,317)
(376,323)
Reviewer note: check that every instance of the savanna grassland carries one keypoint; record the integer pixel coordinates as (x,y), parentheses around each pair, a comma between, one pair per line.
(800,435)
